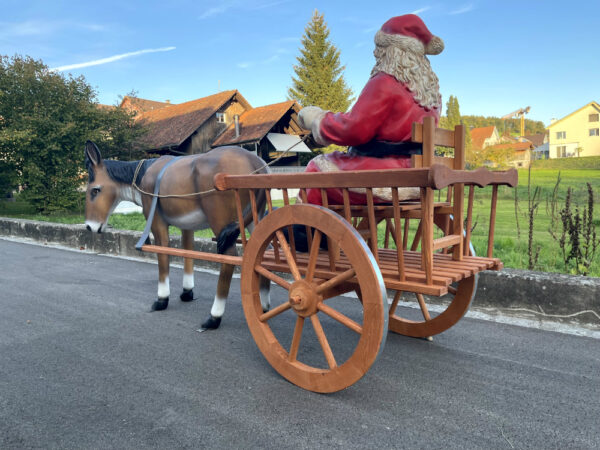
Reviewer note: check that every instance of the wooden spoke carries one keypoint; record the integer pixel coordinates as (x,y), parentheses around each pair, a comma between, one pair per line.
(394,304)
(323,341)
(274,312)
(296,339)
(344,276)
(273,277)
(423,306)
(288,255)
(341,318)
(314,254)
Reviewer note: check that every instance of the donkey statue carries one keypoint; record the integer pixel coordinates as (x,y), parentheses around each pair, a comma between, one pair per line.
(111,182)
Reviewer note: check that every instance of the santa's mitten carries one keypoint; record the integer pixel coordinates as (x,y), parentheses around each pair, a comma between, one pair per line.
(308,115)
(310,118)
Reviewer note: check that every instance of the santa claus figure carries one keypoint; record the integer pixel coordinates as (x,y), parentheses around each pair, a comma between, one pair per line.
(402,89)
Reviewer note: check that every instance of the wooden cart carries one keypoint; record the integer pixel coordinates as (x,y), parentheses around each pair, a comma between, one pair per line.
(342,255)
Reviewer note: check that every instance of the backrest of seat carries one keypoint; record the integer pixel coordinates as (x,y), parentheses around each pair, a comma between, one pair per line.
(430,136)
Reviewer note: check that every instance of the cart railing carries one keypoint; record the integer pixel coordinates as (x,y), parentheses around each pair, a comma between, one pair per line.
(427,179)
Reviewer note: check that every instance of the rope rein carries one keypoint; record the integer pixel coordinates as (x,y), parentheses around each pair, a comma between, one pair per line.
(210,191)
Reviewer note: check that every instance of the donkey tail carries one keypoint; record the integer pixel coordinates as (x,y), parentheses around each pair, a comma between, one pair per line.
(227,237)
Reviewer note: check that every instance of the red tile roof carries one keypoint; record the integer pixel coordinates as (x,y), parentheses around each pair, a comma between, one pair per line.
(516,146)
(255,123)
(169,127)
(536,139)
(479,135)
(141,105)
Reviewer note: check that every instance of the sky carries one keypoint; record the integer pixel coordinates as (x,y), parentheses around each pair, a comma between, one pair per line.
(500,55)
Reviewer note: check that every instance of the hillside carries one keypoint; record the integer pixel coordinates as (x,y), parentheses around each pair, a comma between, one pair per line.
(584,162)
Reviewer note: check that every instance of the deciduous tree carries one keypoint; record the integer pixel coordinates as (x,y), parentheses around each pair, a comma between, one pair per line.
(45,119)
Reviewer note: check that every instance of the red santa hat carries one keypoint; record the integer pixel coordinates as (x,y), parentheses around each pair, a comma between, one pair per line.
(410,33)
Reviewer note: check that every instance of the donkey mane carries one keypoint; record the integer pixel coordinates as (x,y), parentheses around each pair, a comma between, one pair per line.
(121,171)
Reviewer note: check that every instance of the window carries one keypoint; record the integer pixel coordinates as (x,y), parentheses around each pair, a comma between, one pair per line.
(593,118)
(594,131)
(221,118)
(561,151)
(561,135)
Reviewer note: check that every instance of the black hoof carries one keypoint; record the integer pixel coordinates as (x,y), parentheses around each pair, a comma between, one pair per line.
(160,304)
(187,295)
(212,323)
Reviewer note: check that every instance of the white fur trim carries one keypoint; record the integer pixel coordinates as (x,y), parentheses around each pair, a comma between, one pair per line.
(384,39)
(316,130)
(433,47)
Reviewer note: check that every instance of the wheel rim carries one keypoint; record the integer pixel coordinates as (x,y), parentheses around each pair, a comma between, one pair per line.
(461,296)
(312,283)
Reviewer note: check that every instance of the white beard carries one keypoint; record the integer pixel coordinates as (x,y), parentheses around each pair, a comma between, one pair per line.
(412,69)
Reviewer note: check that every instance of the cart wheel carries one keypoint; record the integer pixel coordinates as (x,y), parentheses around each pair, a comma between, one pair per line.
(460,295)
(307,358)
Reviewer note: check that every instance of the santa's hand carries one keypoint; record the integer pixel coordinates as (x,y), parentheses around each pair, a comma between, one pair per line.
(308,115)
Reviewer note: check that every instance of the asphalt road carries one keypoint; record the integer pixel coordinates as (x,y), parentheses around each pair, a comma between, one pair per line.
(83,364)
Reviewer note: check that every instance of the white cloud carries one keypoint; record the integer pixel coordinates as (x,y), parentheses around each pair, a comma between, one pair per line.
(462,10)
(421,10)
(227,5)
(110,59)
(214,11)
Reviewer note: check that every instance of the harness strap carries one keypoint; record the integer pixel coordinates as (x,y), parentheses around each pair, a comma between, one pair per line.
(150,219)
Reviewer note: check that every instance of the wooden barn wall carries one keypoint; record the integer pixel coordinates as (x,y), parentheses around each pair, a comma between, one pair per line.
(203,137)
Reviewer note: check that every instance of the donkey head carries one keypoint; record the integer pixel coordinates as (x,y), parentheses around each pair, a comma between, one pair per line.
(102,192)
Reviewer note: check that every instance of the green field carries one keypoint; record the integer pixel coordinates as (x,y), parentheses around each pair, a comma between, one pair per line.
(511,242)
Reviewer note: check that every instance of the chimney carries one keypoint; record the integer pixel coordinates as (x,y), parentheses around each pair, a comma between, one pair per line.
(236,119)
(552,121)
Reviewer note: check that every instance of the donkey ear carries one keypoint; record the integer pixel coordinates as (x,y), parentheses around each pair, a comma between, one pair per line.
(92,153)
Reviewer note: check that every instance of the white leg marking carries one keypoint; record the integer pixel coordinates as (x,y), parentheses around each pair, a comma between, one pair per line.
(163,288)
(188,281)
(265,297)
(218,307)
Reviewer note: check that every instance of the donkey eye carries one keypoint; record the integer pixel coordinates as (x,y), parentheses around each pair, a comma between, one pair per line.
(95,191)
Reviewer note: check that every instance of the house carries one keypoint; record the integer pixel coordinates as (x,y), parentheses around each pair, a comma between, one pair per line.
(141,105)
(190,127)
(577,134)
(269,131)
(484,137)
(540,145)
(515,152)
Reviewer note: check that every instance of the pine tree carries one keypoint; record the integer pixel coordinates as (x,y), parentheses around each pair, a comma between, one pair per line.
(319,77)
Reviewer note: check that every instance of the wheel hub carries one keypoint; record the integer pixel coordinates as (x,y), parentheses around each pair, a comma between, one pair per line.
(303,298)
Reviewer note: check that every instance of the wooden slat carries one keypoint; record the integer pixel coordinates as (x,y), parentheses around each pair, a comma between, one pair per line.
(442,137)
(316,180)
(427,233)
(446,241)
(214,257)
(240,214)
(490,248)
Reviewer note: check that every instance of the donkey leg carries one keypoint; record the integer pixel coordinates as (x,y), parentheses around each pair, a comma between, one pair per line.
(218,307)
(187,240)
(161,236)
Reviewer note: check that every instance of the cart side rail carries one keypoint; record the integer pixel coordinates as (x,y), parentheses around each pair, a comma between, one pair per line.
(427,179)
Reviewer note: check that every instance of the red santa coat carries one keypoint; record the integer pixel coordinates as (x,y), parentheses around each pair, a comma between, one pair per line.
(384,111)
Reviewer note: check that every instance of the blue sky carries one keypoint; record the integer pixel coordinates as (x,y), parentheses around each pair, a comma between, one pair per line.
(499,56)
